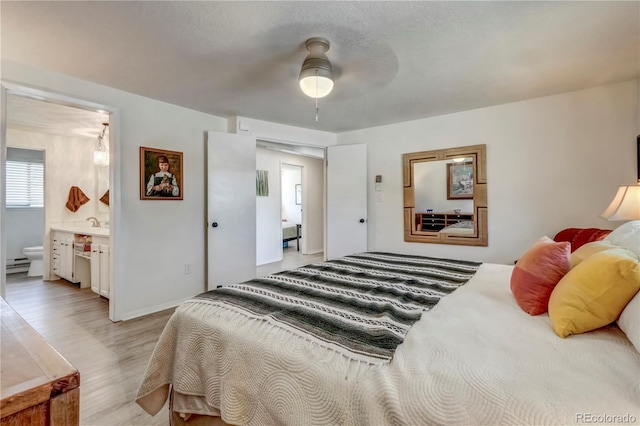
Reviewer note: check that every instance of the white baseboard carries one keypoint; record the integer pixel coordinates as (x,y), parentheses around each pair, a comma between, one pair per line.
(153,309)
(17,269)
(269,261)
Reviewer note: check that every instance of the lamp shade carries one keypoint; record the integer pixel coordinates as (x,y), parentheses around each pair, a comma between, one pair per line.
(316,74)
(625,204)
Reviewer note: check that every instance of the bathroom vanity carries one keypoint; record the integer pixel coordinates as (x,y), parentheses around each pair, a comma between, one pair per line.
(81,256)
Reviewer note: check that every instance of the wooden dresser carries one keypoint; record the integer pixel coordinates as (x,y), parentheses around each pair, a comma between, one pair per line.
(434,222)
(37,385)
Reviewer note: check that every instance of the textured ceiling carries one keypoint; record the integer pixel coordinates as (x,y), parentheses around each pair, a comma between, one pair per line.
(44,117)
(394,61)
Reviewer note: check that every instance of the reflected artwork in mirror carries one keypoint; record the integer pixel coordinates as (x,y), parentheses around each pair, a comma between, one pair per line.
(445,196)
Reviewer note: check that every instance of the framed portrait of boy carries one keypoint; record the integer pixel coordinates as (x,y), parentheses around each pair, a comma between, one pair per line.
(160,174)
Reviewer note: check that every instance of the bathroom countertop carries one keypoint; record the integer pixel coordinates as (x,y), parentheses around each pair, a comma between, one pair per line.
(84,230)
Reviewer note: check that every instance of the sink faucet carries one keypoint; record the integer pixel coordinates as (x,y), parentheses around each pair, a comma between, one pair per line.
(95,222)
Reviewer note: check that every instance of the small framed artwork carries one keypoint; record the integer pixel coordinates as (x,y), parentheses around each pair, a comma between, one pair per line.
(160,174)
(262,183)
(459,181)
(299,194)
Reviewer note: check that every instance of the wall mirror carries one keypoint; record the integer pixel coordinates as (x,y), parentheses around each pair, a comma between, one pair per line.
(445,196)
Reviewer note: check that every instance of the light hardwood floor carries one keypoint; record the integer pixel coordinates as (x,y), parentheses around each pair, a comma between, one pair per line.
(111,357)
(291,258)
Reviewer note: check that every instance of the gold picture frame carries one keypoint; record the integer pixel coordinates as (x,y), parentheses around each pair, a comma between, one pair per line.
(459,181)
(161,176)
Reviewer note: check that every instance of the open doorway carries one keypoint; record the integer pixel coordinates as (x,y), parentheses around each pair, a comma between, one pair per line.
(295,205)
(72,198)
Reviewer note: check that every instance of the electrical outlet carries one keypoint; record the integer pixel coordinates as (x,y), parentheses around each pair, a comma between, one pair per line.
(187,268)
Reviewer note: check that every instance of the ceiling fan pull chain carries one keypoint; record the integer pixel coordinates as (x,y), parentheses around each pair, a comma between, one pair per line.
(316,94)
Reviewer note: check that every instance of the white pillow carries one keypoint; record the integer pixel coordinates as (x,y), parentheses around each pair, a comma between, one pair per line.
(629,321)
(627,236)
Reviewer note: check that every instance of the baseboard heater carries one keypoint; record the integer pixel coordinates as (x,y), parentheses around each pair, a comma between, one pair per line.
(18,265)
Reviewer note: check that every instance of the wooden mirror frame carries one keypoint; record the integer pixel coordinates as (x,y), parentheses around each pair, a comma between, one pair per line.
(480,236)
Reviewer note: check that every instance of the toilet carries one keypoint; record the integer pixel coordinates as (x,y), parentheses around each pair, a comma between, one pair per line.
(34,254)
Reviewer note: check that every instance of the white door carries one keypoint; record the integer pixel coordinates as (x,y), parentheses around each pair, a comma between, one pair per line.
(231,208)
(346,200)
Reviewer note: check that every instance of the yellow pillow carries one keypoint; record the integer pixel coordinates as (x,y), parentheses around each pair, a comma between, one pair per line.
(594,293)
(588,249)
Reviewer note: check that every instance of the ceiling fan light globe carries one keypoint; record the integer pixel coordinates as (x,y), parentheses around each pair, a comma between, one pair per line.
(316,86)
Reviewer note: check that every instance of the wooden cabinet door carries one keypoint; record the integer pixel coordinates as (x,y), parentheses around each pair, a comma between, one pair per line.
(95,268)
(56,253)
(104,270)
(66,260)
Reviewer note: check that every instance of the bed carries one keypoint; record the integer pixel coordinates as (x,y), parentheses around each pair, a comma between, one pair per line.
(290,232)
(471,357)
(464,227)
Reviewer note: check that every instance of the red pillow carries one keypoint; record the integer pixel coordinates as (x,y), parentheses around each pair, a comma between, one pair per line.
(580,236)
(537,272)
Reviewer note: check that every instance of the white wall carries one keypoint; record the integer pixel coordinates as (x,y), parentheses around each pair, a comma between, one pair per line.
(24,228)
(553,162)
(430,189)
(268,209)
(282,133)
(153,238)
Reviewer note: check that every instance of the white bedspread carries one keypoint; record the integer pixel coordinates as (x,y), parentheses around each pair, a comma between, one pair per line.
(289,230)
(465,227)
(475,359)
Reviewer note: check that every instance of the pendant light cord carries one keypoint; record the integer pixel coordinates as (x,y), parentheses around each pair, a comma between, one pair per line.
(101,135)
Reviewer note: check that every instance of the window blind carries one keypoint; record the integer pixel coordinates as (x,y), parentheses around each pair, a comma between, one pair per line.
(25,184)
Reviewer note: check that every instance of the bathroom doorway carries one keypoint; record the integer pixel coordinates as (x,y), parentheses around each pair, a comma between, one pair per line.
(73,142)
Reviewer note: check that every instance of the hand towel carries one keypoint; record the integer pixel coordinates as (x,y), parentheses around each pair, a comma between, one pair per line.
(76,199)
(105,198)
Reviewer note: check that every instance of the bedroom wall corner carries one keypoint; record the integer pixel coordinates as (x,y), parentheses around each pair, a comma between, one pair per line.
(541,158)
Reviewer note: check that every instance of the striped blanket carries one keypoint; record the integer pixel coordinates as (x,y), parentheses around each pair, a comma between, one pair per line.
(361,304)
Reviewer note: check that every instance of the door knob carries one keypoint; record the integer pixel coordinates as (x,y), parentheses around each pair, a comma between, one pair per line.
(214,225)
(361,220)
